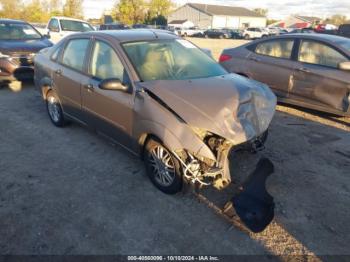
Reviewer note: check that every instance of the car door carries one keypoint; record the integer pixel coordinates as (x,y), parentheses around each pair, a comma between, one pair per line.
(270,62)
(70,73)
(317,79)
(109,111)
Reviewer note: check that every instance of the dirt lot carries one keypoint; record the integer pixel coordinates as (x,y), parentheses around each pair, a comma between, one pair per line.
(216,45)
(69,191)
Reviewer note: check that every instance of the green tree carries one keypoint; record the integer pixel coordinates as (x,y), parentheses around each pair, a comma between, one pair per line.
(35,11)
(336,20)
(73,8)
(11,9)
(158,10)
(130,11)
(261,11)
(160,7)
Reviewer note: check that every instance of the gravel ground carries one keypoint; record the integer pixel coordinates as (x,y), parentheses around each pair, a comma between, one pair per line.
(69,191)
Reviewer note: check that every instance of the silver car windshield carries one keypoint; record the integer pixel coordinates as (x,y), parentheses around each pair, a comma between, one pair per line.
(171,60)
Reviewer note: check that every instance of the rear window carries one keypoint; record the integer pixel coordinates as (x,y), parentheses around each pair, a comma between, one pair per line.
(279,48)
(75,26)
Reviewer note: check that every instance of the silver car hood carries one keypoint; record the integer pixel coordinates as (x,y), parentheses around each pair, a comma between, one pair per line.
(230,106)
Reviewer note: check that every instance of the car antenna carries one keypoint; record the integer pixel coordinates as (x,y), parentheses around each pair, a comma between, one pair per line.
(155,34)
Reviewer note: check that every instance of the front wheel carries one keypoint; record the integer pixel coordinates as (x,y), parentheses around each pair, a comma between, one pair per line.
(162,167)
(246,37)
(54,109)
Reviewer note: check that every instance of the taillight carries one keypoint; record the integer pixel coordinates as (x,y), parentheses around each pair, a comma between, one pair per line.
(224,58)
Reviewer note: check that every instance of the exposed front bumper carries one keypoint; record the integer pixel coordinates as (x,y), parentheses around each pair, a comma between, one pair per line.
(17,68)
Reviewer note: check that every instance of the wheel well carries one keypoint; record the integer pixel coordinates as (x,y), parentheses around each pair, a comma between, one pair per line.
(143,142)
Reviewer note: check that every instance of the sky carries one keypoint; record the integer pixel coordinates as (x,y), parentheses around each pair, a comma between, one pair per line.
(278,9)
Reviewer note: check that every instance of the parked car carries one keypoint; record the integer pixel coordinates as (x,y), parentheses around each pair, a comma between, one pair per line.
(277,31)
(309,70)
(161,97)
(19,42)
(344,30)
(306,30)
(192,31)
(113,27)
(140,26)
(217,33)
(255,32)
(60,27)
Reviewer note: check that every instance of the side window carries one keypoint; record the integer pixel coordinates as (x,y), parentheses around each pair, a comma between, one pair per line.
(105,63)
(53,25)
(320,54)
(74,53)
(278,48)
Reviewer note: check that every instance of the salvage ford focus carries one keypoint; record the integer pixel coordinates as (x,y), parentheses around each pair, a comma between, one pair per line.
(163,98)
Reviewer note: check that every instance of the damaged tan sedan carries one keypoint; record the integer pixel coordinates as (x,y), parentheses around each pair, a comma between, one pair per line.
(161,97)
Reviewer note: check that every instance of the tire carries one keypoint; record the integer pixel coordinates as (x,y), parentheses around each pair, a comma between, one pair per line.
(54,109)
(264,36)
(221,36)
(162,167)
(246,37)
(206,36)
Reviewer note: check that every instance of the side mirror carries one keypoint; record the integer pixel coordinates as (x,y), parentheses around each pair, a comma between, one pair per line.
(344,66)
(113,84)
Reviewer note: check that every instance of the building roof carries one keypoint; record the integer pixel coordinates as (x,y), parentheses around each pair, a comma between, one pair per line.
(310,19)
(224,10)
(178,22)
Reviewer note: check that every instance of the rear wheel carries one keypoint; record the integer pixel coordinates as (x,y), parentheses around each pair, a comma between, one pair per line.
(54,109)
(246,37)
(162,167)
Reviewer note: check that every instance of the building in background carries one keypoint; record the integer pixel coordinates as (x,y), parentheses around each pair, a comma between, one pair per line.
(181,24)
(216,16)
(298,21)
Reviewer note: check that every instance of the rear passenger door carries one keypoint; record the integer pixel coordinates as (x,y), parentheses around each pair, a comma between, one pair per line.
(317,79)
(70,73)
(271,63)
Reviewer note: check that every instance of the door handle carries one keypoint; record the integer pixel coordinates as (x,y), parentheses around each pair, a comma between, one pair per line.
(58,72)
(303,70)
(89,87)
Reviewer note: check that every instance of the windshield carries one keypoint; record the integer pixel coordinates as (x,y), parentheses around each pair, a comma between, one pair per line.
(76,26)
(171,60)
(17,31)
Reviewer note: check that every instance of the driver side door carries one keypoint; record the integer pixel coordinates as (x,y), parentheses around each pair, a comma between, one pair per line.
(110,112)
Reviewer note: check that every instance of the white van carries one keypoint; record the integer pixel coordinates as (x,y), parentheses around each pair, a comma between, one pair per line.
(59,27)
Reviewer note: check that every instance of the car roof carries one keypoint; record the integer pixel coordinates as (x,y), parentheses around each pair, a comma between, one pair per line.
(68,18)
(12,21)
(130,35)
(312,36)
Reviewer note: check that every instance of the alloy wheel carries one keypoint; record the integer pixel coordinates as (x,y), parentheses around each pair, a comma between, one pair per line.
(163,166)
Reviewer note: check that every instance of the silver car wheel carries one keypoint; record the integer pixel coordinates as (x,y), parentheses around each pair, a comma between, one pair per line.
(54,109)
(162,165)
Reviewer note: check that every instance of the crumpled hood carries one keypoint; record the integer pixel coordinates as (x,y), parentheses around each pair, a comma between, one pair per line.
(231,106)
(25,46)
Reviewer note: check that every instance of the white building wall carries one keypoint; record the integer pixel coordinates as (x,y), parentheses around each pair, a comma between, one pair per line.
(252,22)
